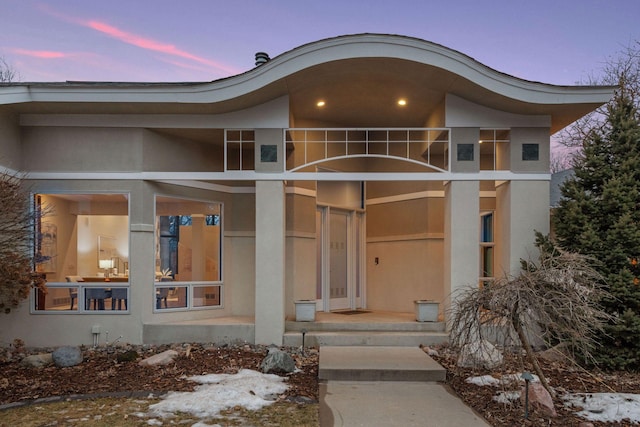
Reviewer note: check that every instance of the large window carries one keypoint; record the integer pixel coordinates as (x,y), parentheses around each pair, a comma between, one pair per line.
(84,240)
(188,254)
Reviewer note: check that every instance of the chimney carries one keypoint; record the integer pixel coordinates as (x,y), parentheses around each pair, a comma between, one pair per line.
(262,58)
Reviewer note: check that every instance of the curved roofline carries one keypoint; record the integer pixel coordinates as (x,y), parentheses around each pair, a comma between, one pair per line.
(309,55)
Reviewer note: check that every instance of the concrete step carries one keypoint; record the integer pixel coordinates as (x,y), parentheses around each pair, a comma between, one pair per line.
(366,326)
(374,363)
(364,338)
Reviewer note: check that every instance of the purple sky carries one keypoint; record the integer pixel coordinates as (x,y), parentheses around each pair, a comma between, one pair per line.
(553,41)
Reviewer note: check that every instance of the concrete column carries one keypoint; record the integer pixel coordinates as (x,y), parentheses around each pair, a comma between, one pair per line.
(270,262)
(461,237)
(522,208)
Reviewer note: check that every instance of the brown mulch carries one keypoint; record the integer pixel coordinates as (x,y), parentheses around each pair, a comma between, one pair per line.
(102,372)
(563,378)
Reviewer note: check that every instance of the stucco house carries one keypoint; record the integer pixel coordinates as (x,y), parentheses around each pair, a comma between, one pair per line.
(358,172)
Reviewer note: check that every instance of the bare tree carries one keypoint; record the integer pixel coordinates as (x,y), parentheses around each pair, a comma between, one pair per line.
(551,301)
(7,72)
(623,71)
(17,242)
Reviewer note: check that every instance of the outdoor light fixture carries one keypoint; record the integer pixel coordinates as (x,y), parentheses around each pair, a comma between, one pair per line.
(402,102)
(527,377)
(320,103)
(304,331)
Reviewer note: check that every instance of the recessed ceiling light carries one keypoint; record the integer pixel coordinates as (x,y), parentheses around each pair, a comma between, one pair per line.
(402,102)
(320,103)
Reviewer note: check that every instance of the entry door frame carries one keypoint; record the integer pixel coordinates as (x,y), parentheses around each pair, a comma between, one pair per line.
(355,257)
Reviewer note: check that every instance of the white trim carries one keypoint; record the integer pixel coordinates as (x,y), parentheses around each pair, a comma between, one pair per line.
(242,233)
(300,235)
(301,191)
(406,238)
(405,197)
(290,176)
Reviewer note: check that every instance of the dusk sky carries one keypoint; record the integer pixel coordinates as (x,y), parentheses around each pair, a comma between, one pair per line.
(553,41)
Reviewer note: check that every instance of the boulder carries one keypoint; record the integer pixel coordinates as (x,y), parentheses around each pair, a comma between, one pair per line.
(163,358)
(277,361)
(479,354)
(67,356)
(539,399)
(38,360)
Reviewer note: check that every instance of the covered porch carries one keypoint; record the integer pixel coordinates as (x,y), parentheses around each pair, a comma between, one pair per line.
(364,327)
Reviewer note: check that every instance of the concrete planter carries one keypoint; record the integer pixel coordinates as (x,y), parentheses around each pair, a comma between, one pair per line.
(305,310)
(427,310)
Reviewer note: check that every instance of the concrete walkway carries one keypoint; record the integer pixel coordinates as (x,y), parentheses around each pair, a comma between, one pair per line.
(401,395)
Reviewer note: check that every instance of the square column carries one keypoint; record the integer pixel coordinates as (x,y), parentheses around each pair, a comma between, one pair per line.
(522,207)
(461,237)
(270,262)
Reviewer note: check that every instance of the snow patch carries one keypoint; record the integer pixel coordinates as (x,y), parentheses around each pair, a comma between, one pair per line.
(606,407)
(249,389)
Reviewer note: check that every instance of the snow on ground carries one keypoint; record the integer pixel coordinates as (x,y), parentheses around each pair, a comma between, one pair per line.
(606,407)
(249,389)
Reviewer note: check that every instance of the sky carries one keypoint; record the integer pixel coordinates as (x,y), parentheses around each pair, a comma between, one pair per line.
(561,42)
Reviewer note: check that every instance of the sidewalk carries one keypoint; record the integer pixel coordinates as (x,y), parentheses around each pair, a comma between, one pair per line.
(393,403)
(387,386)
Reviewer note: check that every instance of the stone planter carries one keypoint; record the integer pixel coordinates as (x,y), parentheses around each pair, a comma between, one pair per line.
(305,310)
(427,310)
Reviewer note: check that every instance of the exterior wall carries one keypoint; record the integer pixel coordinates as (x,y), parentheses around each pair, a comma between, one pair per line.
(465,136)
(9,141)
(522,208)
(270,262)
(166,153)
(461,242)
(301,250)
(520,136)
(406,238)
(81,149)
(50,329)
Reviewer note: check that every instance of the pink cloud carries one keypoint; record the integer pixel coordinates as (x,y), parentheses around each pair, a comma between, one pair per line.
(156,46)
(44,54)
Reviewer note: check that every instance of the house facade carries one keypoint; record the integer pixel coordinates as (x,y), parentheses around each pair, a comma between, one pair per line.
(363,171)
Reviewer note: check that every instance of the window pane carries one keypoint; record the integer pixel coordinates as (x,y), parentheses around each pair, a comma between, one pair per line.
(83,238)
(171,297)
(206,296)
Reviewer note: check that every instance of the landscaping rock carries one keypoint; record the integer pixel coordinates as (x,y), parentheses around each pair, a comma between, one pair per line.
(479,354)
(163,358)
(67,356)
(540,399)
(277,361)
(38,360)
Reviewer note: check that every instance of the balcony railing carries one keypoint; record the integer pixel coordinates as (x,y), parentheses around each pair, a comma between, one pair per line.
(429,147)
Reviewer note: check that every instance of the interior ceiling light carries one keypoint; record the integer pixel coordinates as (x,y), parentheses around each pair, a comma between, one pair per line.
(320,103)
(402,102)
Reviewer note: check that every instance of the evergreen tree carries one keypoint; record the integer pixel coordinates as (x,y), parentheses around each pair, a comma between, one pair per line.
(599,216)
